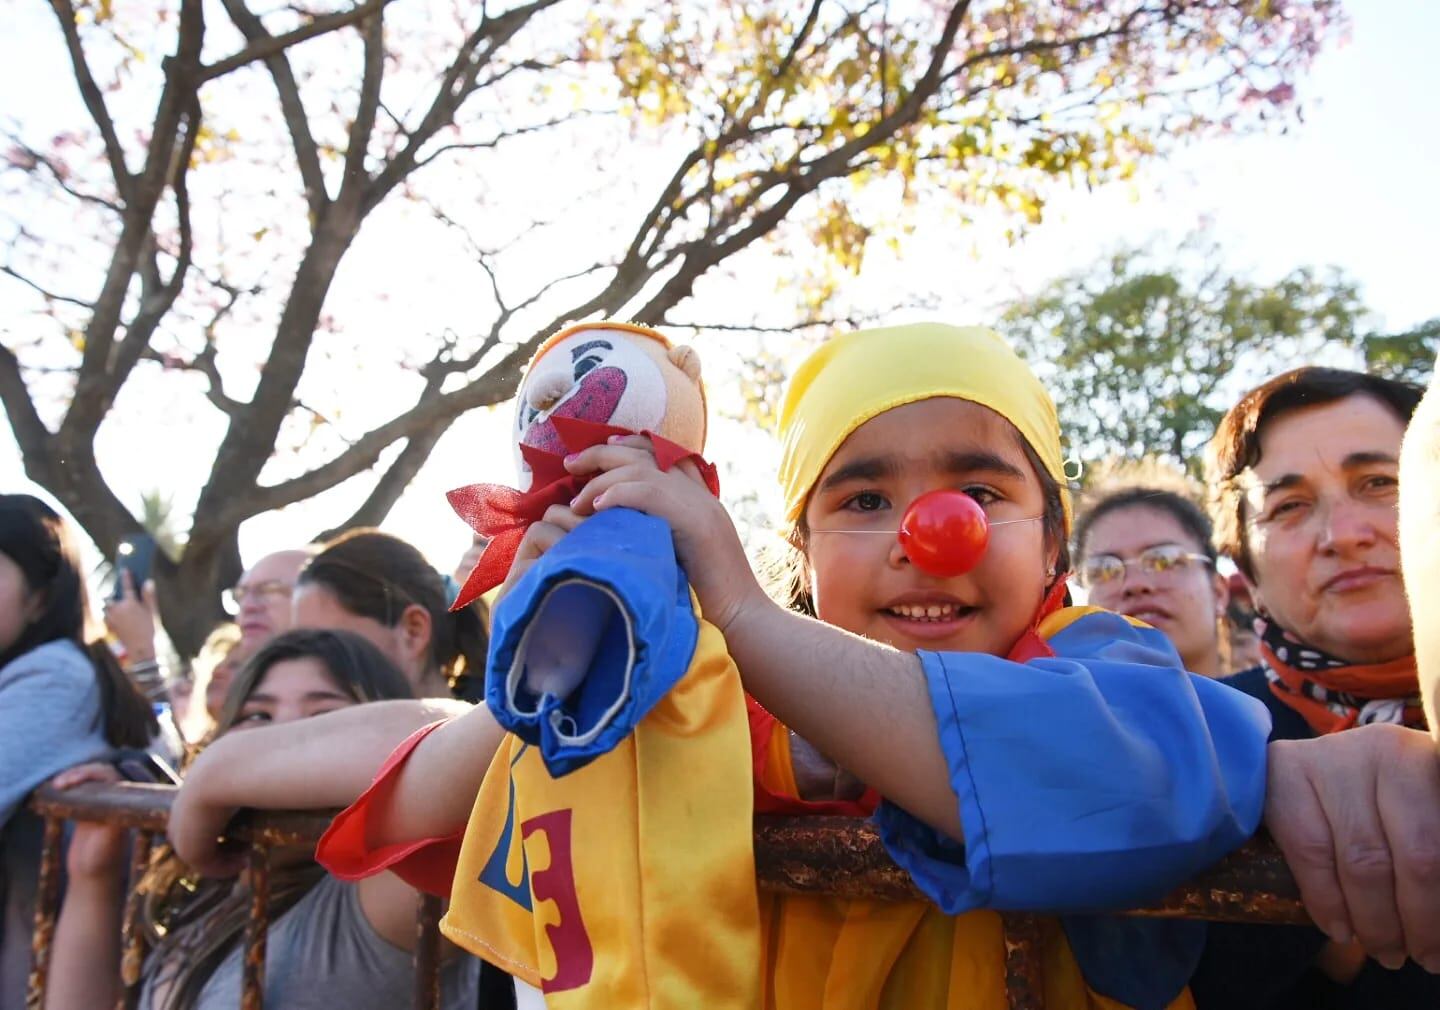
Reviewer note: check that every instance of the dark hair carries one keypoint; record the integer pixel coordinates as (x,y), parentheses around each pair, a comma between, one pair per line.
(39,542)
(355,663)
(1054,514)
(1184,511)
(784,569)
(1235,448)
(195,924)
(376,575)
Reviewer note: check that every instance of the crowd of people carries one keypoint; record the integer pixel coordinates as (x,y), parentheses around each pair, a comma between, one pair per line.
(1245,659)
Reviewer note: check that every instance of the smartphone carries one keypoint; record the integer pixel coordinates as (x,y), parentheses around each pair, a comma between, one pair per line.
(136,556)
(142,766)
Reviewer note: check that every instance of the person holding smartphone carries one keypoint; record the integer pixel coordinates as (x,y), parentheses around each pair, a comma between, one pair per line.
(63,700)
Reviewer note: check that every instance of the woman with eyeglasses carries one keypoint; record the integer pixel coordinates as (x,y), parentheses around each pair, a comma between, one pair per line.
(1145,552)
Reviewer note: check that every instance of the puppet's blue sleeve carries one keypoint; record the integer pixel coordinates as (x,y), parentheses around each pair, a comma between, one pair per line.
(605,618)
(1097,779)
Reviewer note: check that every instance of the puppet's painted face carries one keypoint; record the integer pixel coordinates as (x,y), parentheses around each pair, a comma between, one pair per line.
(605,376)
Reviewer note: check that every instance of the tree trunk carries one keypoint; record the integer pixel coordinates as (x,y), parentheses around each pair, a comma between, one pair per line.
(190,592)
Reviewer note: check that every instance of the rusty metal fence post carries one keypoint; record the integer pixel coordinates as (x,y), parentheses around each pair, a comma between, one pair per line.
(132,936)
(837,856)
(1024,980)
(427,954)
(47,907)
(252,991)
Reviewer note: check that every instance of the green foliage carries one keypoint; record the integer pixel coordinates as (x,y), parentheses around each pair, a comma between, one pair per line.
(159,517)
(1145,359)
(1410,355)
(1039,93)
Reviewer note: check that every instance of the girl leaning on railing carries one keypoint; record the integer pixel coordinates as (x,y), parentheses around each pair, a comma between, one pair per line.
(330,943)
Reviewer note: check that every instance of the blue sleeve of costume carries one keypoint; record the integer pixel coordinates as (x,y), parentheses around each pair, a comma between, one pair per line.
(1099,778)
(612,596)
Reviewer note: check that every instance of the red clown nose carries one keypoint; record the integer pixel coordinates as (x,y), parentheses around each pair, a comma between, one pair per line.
(944,533)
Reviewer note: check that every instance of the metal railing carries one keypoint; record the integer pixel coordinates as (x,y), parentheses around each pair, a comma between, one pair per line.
(837,856)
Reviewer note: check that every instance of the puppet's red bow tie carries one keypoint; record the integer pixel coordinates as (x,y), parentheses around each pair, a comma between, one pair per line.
(504,514)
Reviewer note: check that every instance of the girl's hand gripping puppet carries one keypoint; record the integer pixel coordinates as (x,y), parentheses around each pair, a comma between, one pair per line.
(601,626)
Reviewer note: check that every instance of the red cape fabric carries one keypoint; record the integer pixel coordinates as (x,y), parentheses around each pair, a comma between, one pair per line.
(424,863)
(504,514)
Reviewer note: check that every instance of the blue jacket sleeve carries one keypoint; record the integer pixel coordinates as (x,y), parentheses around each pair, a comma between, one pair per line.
(50,719)
(1100,778)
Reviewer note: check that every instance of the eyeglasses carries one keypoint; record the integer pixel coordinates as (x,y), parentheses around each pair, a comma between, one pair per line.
(262,591)
(1109,569)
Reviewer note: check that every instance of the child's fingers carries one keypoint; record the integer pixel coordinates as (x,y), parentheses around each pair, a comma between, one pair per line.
(600,458)
(584,503)
(632,442)
(538,539)
(127,585)
(641,495)
(95,771)
(148,595)
(563,517)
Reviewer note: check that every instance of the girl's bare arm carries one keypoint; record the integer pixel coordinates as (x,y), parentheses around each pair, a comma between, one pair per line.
(318,763)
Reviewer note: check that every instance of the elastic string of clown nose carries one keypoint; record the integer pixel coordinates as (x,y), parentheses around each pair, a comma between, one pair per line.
(944,533)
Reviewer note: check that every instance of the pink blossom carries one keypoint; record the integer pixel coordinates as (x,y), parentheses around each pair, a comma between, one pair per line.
(19,157)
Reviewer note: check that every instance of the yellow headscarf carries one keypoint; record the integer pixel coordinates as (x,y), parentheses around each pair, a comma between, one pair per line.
(856,376)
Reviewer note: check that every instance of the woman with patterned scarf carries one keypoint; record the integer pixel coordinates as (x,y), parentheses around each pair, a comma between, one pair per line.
(1303,475)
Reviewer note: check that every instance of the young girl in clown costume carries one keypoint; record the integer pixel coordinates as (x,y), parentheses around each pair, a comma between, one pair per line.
(1029,755)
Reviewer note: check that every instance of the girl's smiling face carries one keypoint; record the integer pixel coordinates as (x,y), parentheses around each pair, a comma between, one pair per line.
(861,579)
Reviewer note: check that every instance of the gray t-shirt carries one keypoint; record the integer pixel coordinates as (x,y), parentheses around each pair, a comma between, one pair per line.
(50,720)
(321,954)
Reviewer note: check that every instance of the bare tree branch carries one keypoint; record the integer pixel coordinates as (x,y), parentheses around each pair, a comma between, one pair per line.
(1122,27)
(456,85)
(31,434)
(250,436)
(93,97)
(76,481)
(498,139)
(59,177)
(555,282)
(203,363)
(46,292)
(430,411)
(392,482)
(788,60)
(157,300)
(292,109)
(271,45)
(804,177)
(696,257)
(352,186)
(96,384)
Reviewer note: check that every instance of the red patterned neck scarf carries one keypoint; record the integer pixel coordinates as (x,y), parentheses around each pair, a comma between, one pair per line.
(1333,695)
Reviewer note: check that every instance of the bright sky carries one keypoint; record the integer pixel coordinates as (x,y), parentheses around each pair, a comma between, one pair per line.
(1353,187)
